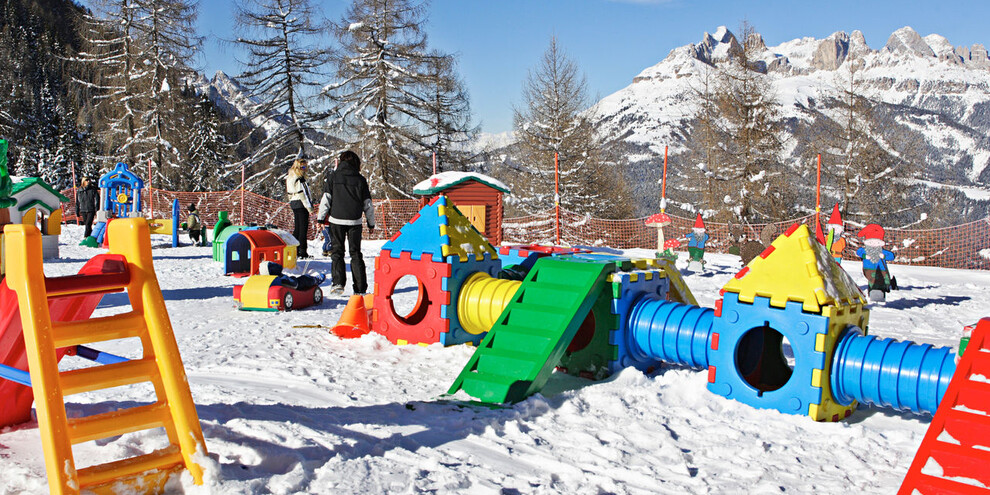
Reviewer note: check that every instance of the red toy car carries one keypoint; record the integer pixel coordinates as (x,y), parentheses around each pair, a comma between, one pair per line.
(264,293)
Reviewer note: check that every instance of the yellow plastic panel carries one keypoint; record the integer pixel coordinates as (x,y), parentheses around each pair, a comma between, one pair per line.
(796,268)
(54,226)
(30,217)
(254,293)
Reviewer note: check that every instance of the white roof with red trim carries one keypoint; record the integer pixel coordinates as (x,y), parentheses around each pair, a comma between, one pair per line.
(446,180)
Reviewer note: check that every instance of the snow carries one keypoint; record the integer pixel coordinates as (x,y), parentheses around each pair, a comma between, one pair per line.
(288,408)
(444,180)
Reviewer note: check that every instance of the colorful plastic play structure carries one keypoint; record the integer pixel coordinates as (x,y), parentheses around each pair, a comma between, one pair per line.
(244,249)
(793,293)
(42,319)
(120,197)
(38,203)
(593,314)
(271,293)
(955,450)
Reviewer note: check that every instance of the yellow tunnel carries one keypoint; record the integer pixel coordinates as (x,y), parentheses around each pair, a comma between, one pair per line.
(482,300)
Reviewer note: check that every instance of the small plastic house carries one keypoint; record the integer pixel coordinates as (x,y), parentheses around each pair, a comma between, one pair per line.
(441,249)
(477,196)
(38,203)
(793,293)
(245,250)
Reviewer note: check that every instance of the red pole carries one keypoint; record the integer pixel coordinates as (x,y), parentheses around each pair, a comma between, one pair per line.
(242,194)
(818,193)
(75,197)
(556,194)
(151,188)
(663,184)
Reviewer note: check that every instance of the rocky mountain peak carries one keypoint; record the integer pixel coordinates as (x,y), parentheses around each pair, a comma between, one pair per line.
(907,41)
(831,51)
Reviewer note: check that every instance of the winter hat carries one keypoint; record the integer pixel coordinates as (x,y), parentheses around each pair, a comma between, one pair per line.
(699,223)
(836,218)
(871,231)
(192,206)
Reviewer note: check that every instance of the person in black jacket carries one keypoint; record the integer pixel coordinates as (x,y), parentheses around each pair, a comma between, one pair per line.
(345,197)
(87,200)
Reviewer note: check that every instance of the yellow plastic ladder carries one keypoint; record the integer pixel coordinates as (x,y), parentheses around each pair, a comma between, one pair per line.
(160,364)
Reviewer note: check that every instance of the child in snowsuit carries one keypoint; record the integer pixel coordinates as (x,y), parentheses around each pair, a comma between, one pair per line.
(195,226)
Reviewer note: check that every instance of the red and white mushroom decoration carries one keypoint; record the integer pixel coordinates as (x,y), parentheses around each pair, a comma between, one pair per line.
(659,220)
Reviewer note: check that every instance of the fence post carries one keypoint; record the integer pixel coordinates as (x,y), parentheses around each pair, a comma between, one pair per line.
(556,195)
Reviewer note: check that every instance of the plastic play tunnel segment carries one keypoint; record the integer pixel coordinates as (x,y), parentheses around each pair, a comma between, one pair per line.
(670,331)
(482,300)
(890,373)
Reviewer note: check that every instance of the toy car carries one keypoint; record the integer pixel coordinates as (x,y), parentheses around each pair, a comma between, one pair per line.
(265,293)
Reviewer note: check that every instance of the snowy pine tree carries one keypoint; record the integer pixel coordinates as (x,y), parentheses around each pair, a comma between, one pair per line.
(868,164)
(384,98)
(550,122)
(282,72)
(447,124)
(752,148)
(167,33)
(209,161)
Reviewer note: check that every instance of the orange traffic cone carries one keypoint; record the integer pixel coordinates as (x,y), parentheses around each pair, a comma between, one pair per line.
(354,322)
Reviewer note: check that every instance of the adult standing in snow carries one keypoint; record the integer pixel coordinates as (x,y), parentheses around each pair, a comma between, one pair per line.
(87,199)
(301,203)
(345,196)
(325,231)
(875,259)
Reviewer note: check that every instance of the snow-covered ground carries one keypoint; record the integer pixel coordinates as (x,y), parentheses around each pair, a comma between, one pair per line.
(288,408)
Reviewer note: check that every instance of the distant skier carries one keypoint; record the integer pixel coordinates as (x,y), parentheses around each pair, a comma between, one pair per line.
(875,259)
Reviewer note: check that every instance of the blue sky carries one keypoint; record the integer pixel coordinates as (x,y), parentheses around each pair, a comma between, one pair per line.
(498,41)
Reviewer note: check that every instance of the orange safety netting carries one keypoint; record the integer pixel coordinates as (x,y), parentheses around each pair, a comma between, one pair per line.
(961,246)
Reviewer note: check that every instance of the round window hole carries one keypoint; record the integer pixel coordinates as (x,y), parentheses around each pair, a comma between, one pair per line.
(765,359)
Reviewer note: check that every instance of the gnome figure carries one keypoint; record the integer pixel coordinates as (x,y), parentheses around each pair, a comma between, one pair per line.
(696,242)
(833,240)
(875,259)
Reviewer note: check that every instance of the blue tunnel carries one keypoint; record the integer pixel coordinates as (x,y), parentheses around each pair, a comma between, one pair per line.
(890,373)
(881,372)
(670,331)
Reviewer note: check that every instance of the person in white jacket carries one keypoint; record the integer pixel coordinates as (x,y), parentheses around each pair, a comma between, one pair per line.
(301,203)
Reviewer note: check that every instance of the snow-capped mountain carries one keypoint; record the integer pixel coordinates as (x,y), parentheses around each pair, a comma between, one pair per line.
(940,92)
(233,100)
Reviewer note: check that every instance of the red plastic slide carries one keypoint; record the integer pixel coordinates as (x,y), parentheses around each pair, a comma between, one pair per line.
(16,399)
